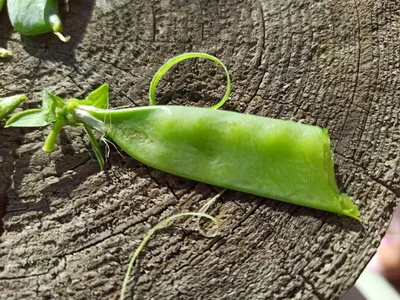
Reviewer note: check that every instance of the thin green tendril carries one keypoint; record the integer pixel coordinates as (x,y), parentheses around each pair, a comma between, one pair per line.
(204,209)
(173,61)
(95,146)
(151,233)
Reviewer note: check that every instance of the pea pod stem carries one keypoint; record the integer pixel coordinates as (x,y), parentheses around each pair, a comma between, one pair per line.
(50,143)
(82,115)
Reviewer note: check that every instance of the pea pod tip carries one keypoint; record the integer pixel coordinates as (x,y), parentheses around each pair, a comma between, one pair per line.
(62,38)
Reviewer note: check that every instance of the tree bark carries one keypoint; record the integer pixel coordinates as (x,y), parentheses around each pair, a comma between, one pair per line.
(70,228)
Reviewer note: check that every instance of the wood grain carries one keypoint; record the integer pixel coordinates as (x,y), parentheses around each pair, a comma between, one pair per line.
(70,228)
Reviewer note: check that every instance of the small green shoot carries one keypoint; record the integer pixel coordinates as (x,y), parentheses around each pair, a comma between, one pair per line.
(95,145)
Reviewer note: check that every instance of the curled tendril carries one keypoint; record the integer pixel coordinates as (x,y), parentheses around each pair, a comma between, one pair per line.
(160,225)
(204,209)
(173,61)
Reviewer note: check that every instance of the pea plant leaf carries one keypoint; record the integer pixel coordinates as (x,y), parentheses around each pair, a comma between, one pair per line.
(28,118)
(98,98)
(51,108)
(51,102)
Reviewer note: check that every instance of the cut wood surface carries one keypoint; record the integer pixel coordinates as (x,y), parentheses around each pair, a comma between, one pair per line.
(69,229)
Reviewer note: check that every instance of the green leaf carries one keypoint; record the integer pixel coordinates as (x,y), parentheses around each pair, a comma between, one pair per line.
(29,118)
(9,104)
(52,105)
(51,102)
(98,98)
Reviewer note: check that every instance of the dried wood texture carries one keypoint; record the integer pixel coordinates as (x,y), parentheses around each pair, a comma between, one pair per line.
(70,229)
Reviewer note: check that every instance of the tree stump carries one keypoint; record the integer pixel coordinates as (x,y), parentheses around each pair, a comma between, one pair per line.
(69,229)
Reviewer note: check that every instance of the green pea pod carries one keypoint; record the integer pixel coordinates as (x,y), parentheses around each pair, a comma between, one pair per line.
(34,17)
(277,159)
(9,104)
